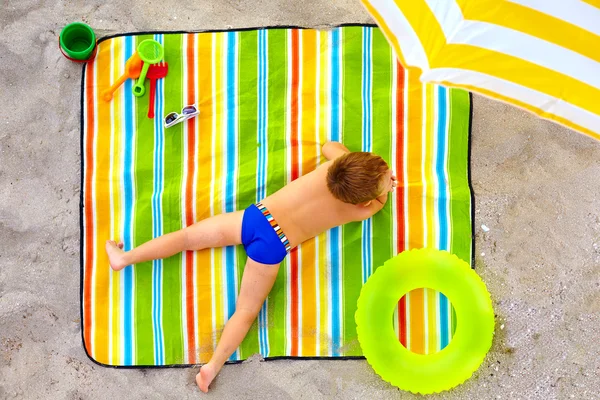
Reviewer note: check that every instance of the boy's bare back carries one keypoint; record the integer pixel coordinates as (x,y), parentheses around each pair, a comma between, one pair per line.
(305,207)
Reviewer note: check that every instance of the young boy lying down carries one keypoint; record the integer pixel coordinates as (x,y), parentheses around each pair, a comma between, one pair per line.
(350,186)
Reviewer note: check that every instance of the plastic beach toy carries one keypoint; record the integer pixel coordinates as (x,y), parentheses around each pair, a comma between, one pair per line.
(451,366)
(133,68)
(77,42)
(151,52)
(156,71)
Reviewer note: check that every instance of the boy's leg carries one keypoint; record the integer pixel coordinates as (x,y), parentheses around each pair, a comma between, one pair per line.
(257,281)
(218,231)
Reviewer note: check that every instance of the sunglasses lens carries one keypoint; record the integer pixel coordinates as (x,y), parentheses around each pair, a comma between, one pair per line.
(189,110)
(170,117)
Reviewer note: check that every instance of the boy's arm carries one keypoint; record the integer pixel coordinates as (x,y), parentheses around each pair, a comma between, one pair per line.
(332,150)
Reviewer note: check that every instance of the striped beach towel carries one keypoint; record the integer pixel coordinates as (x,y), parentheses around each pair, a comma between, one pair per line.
(268,99)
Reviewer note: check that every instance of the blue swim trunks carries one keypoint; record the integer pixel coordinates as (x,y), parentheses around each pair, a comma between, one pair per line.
(262,238)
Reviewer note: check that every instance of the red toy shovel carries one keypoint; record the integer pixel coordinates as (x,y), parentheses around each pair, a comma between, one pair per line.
(156,71)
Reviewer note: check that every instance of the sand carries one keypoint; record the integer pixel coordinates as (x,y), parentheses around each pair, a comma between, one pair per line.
(536,187)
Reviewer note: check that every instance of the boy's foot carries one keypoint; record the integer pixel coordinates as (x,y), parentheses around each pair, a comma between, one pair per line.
(205,377)
(115,255)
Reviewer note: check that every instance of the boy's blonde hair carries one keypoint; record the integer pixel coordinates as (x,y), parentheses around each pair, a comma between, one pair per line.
(356,177)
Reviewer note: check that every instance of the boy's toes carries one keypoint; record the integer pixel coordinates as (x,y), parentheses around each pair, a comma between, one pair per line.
(112,243)
(115,255)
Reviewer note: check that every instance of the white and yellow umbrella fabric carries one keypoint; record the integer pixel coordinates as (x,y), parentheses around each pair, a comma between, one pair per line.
(542,55)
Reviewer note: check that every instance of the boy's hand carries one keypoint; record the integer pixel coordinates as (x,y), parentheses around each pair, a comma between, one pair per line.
(382,198)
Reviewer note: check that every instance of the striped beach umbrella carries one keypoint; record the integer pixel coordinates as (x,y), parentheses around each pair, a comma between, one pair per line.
(541,55)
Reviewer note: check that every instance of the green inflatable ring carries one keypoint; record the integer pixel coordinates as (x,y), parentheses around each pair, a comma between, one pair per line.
(444,272)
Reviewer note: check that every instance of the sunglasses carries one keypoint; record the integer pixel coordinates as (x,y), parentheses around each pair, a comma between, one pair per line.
(173,118)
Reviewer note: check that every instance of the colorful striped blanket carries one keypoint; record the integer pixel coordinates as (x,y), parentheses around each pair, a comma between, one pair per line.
(268,99)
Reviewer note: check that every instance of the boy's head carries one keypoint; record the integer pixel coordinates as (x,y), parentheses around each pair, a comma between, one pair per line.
(358,177)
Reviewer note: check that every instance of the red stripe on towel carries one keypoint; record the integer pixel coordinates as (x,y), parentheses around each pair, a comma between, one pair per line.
(400,206)
(189,201)
(295,61)
(88,208)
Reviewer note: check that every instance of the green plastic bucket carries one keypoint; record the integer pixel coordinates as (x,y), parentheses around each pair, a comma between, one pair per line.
(77,41)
